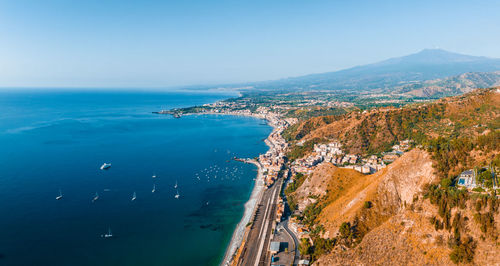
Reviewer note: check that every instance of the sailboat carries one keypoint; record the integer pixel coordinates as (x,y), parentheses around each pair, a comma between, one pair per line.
(177,195)
(60,195)
(134,196)
(175,186)
(96,197)
(108,235)
(154,188)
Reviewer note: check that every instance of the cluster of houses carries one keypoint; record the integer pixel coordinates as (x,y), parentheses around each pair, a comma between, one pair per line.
(280,210)
(332,153)
(397,151)
(274,159)
(368,165)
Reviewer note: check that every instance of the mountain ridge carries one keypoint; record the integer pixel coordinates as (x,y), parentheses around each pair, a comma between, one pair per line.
(425,65)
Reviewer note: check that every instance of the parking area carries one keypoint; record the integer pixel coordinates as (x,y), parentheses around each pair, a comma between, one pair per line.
(282,247)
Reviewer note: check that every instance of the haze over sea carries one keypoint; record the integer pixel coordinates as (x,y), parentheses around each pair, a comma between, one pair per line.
(55,140)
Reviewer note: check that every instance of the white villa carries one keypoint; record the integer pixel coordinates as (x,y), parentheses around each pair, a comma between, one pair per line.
(467,179)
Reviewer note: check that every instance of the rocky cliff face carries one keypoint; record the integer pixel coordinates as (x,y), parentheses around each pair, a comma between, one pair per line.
(396,229)
(404,179)
(387,190)
(315,186)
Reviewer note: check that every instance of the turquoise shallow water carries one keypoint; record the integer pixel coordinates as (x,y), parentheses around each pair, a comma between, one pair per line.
(57,140)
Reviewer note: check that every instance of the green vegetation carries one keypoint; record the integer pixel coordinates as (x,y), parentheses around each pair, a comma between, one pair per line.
(292,203)
(297,182)
(299,151)
(478,189)
(448,198)
(485,177)
(304,114)
(311,212)
(291,187)
(462,250)
(322,246)
(348,234)
(305,246)
(446,182)
(367,204)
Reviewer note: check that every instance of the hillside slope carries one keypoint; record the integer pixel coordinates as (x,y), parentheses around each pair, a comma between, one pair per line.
(388,190)
(396,228)
(373,131)
(449,86)
(411,210)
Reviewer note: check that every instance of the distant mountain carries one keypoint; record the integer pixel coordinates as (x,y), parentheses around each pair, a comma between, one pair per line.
(449,86)
(426,65)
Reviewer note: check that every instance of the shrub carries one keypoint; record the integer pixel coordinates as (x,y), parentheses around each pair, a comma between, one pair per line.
(445,183)
(478,189)
(463,252)
(305,246)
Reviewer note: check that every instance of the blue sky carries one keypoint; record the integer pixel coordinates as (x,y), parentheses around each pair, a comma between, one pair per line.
(158,44)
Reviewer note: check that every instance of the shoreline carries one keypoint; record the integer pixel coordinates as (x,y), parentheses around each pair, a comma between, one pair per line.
(240,231)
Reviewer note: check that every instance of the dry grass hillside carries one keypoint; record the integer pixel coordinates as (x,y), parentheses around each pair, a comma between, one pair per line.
(411,212)
(387,190)
(376,130)
(408,238)
(396,228)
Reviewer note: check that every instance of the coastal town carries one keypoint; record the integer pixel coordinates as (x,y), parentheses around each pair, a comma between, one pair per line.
(272,231)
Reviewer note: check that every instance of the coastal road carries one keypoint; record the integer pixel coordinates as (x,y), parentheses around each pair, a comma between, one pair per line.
(255,251)
(295,241)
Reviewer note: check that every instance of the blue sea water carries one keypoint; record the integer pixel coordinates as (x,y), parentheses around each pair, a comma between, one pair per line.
(56,140)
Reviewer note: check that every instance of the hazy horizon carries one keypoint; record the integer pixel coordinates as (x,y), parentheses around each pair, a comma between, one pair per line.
(167,45)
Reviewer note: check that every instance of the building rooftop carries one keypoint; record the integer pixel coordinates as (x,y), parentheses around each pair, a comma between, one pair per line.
(467,172)
(275,246)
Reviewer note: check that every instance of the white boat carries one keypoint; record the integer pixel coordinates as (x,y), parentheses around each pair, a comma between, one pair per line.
(60,195)
(108,234)
(105,166)
(96,197)
(175,186)
(177,195)
(154,188)
(154,176)
(134,196)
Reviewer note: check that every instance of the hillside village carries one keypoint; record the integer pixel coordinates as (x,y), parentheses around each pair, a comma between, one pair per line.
(332,153)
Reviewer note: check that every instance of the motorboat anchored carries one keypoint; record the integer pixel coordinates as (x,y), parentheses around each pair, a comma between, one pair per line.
(96,197)
(59,196)
(105,166)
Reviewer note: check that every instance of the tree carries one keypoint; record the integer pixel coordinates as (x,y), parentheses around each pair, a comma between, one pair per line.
(464,251)
(304,246)
(445,183)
